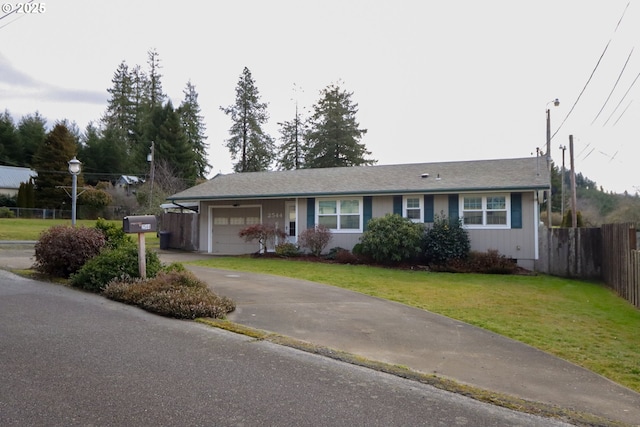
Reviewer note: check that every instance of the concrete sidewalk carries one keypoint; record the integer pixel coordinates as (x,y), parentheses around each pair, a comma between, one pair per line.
(389,332)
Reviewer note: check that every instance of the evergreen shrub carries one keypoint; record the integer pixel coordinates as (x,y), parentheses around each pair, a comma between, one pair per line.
(287,250)
(62,250)
(446,240)
(392,239)
(119,263)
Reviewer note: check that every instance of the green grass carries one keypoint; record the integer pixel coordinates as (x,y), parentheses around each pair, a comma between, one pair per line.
(582,322)
(30,229)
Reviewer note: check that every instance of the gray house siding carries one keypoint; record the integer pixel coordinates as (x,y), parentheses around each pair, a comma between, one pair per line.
(518,243)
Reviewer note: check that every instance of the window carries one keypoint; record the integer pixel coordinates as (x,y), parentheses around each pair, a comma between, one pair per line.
(486,211)
(341,214)
(412,208)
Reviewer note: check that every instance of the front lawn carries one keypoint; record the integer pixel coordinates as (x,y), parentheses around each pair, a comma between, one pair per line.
(582,322)
(31,228)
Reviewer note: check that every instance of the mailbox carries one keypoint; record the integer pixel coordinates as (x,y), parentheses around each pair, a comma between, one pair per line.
(139,224)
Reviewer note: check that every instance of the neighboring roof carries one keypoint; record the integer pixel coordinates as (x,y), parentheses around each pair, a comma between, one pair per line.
(130,179)
(12,177)
(480,175)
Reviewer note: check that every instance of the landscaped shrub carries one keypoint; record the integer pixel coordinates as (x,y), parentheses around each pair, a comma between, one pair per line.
(490,262)
(315,239)
(392,239)
(287,250)
(264,233)
(6,213)
(445,240)
(114,235)
(341,256)
(114,264)
(176,294)
(62,250)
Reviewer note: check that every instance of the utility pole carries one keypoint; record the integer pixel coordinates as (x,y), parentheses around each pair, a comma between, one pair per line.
(151,159)
(574,199)
(563,148)
(555,102)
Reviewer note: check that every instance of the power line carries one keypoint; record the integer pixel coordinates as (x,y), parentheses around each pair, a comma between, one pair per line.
(622,99)
(614,86)
(592,73)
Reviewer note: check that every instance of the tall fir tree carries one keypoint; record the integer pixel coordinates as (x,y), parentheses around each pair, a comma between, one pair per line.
(51,162)
(171,144)
(10,148)
(334,136)
(194,129)
(251,148)
(32,131)
(155,95)
(291,152)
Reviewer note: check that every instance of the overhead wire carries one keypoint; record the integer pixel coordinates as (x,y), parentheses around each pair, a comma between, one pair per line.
(614,87)
(592,74)
(622,99)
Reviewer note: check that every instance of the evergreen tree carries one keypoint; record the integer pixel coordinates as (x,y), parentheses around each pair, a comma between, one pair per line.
(155,96)
(51,162)
(32,132)
(171,144)
(10,149)
(249,145)
(103,156)
(292,151)
(334,136)
(193,126)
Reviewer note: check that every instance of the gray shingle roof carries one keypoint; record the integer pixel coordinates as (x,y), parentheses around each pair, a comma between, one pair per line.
(446,177)
(12,177)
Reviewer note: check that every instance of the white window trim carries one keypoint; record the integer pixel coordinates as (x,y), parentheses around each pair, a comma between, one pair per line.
(421,208)
(338,200)
(484,225)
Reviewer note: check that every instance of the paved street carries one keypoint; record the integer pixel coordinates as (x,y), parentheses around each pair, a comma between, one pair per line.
(72,358)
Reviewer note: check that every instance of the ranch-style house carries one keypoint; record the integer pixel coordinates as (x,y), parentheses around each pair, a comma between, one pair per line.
(497,200)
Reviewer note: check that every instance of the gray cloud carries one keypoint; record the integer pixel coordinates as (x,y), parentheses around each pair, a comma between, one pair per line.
(17,84)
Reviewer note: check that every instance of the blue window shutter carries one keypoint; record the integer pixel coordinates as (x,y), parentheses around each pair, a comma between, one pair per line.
(454,209)
(516,210)
(311,212)
(397,205)
(367,210)
(428,208)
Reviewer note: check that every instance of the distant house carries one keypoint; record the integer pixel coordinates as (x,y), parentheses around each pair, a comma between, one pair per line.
(497,200)
(128,184)
(11,177)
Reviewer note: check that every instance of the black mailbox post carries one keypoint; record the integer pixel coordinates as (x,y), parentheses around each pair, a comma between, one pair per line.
(140,224)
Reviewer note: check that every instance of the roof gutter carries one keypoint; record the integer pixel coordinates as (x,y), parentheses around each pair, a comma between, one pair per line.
(184,207)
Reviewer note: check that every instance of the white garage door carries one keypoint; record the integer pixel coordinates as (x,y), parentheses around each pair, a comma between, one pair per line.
(227,223)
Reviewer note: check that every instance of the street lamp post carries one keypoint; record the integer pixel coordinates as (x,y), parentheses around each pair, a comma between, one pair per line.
(563,148)
(555,102)
(74,170)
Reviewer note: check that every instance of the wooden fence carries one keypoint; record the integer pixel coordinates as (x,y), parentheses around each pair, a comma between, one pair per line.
(609,253)
(621,261)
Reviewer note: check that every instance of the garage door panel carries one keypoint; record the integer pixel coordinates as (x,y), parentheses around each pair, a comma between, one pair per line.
(227,224)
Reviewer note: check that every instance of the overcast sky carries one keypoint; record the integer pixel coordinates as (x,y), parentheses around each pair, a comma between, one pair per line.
(434,80)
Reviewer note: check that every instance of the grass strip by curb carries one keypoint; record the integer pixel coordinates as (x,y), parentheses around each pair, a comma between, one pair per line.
(498,399)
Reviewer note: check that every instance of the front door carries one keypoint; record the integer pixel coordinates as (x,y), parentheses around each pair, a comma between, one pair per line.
(290,222)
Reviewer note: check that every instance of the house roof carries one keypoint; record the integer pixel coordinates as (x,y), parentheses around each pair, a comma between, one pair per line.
(12,177)
(130,179)
(465,176)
